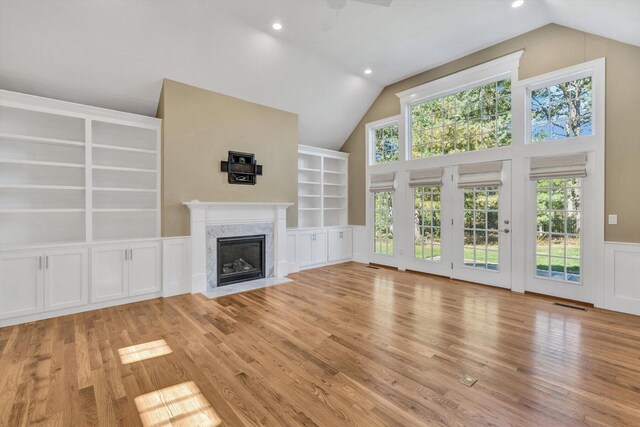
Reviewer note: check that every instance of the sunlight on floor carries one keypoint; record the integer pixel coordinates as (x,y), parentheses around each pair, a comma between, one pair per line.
(179,405)
(144,351)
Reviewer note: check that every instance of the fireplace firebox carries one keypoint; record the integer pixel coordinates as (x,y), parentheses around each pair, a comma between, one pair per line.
(240,259)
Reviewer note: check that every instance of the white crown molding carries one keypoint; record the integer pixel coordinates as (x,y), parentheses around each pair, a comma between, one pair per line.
(470,76)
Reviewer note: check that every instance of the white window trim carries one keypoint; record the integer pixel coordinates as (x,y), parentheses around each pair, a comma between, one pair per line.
(371,128)
(587,69)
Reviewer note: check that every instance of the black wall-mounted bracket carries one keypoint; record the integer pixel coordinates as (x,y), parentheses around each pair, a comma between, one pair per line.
(241,168)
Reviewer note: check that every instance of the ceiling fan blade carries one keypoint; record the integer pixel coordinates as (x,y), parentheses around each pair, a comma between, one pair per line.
(385,3)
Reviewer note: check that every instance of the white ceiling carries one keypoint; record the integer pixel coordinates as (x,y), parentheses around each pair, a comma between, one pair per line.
(114,54)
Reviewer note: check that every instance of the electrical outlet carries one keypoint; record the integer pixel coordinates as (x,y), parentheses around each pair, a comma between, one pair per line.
(613,219)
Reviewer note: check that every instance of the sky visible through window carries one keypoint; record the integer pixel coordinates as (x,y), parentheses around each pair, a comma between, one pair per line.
(561,111)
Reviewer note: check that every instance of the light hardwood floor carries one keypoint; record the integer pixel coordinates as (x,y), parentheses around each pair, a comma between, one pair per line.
(342,345)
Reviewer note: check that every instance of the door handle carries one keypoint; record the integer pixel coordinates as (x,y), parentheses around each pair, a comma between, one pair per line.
(46,264)
(130,254)
(506,231)
(40,263)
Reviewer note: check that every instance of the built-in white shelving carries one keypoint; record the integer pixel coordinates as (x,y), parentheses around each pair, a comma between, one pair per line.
(71,173)
(322,187)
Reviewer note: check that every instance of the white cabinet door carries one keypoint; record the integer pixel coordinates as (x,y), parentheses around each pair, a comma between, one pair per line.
(109,272)
(340,245)
(303,249)
(144,268)
(66,278)
(21,283)
(319,248)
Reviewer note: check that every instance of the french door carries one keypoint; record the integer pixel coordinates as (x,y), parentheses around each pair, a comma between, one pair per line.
(561,241)
(462,229)
(481,229)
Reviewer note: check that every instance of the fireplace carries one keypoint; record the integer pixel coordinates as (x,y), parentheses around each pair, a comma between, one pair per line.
(240,259)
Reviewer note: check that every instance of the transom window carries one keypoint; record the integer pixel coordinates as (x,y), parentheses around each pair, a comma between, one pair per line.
(383,222)
(561,111)
(558,229)
(427,232)
(481,227)
(470,120)
(385,148)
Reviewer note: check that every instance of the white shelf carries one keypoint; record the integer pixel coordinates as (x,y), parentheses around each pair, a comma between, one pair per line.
(327,203)
(129,189)
(44,210)
(40,139)
(41,163)
(116,147)
(118,168)
(43,187)
(53,192)
(124,210)
(28,122)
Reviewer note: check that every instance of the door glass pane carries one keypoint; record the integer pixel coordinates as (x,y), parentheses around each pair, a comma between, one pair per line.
(558,229)
(427,223)
(383,223)
(481,228)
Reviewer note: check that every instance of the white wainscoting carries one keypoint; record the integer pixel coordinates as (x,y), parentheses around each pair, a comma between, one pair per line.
(361,245)
(622,277)
(292,265)
(176,266)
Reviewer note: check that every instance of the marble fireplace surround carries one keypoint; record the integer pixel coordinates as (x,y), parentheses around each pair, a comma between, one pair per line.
(236,230)
(209,220)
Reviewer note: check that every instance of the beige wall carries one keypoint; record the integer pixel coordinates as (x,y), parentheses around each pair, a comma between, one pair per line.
(546,49)
(199,127)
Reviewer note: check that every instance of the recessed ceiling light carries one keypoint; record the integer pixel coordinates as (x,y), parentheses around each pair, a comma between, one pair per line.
(517,3)
(368,71)
(276,26)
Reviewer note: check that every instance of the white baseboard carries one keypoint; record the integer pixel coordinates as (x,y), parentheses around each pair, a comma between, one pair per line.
(324,264)
(73,310)
(622,277)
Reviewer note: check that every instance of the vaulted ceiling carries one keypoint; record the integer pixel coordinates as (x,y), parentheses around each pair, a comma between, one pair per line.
(114,54)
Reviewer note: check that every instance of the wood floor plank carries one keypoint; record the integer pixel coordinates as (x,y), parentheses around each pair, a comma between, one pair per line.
(341,345)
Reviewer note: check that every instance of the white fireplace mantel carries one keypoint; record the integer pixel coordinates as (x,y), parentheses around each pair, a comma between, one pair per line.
(219,213)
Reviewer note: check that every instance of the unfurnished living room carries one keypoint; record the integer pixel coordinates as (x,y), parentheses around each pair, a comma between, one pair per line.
(319,213)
